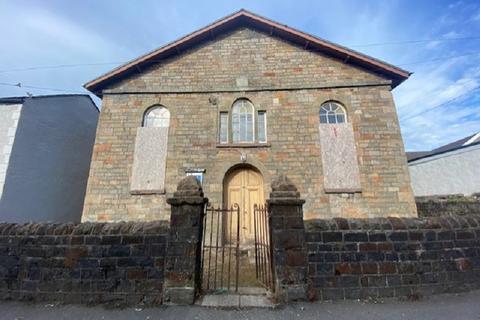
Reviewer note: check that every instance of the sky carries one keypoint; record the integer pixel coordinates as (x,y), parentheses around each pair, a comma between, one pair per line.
(52,47)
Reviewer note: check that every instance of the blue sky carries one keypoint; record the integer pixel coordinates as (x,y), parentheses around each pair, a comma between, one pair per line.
(438,104)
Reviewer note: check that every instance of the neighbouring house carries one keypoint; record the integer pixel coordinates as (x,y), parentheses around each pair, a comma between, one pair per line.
(46,144)
(237,103)
(450,169)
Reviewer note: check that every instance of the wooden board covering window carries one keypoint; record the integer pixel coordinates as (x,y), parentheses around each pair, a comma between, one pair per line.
(149,160)
(339,158)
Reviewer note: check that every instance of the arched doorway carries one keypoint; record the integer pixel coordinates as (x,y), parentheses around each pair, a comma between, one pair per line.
(243,185)
(236,251)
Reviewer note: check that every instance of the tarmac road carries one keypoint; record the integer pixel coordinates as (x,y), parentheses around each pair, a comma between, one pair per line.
(448,306)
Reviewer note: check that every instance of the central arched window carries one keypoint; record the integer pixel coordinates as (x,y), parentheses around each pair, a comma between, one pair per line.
(158,117)
(332,112)
(243,127)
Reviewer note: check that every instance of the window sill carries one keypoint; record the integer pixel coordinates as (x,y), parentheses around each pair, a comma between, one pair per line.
(146,192)
(346,190)
(243,145)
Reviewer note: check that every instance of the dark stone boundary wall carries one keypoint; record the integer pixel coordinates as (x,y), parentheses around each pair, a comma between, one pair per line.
(89,263)
(371,258)
(437,206)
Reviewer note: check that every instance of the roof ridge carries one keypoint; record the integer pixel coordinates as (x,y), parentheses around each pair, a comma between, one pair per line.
(473,138)
(396,74)
(327,41)
(22,99)
(46,95)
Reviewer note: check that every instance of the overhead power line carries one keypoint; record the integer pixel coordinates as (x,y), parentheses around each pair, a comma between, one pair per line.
(413,41)
(20,85)
(440,59)
(60,66)
(442,104)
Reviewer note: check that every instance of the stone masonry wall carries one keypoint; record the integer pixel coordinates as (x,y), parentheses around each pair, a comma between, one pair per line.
(277,77)
(435,206)
(371,258)
(118,264)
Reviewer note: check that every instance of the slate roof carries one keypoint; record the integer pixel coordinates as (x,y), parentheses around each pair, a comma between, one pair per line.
(21,99)
(459,144)
(246,18)
(12,100)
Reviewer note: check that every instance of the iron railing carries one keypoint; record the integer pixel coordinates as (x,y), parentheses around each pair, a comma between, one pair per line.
(221,249)
(263,249)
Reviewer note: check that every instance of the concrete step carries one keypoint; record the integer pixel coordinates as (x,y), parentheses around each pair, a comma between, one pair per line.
(235,301)
(252,291)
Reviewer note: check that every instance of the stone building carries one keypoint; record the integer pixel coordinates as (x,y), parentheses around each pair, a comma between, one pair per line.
(237,103)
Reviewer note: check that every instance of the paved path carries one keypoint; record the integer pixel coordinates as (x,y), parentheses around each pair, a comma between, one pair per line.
(463,306)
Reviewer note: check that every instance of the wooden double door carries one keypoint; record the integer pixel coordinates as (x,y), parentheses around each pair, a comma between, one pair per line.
(243,186)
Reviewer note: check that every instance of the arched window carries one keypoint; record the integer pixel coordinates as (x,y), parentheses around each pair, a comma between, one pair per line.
(157,116)
(332,112)
(243,126)
(150,155)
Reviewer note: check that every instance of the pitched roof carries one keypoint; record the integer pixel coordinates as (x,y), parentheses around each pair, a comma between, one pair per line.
(246,18)
(459,144)
(21,99)
(12,100)
(412,155)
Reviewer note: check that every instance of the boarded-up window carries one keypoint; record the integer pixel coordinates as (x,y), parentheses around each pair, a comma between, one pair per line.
(339,158)
(149,160)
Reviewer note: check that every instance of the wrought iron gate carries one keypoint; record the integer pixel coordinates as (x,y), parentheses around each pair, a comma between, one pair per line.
(223,253)
(221,249)
(263,249)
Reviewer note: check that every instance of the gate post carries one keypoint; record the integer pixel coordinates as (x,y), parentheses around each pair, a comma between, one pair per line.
(182,260)
(289,253)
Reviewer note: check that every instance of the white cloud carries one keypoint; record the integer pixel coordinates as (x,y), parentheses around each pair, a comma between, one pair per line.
(476,16)
(39,37)
(433,44)
(431,87)
(455,4)
(51,33)
(451,35)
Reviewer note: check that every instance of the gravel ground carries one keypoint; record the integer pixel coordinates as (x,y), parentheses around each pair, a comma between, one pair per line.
(450,306)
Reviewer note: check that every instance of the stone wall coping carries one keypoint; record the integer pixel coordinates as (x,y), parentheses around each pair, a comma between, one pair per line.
(394,223)
(455,198)
(283,183)
(284,194)
(286,201)
(177,201)
(87,228)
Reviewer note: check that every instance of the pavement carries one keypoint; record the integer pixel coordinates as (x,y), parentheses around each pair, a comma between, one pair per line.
(448,306)
(235,301)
